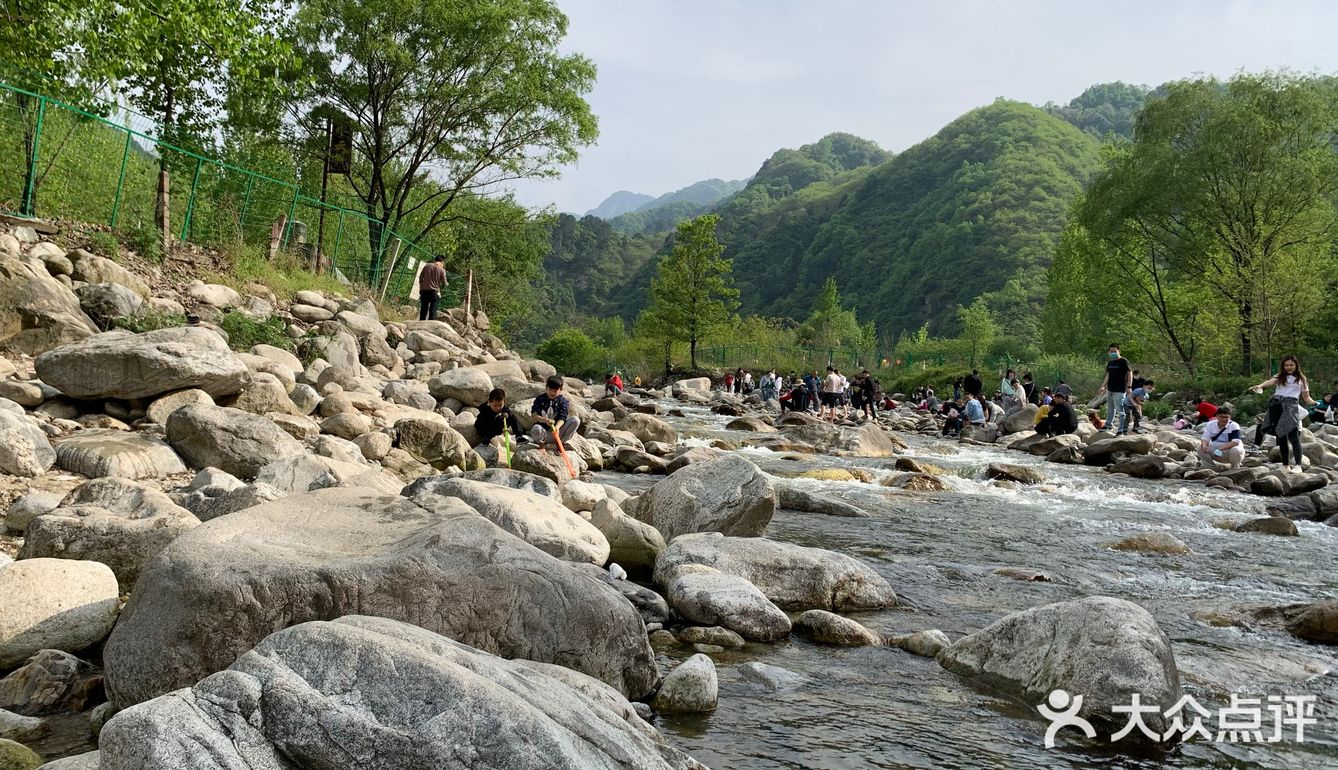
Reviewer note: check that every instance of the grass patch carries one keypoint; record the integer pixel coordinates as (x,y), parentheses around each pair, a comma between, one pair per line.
(286,275)
(148,322)
(245,332)
(144,239)
(104,244)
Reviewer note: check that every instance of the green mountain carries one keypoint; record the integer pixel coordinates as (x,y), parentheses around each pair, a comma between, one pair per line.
(618,203)
(976,209)
(1105,109)
(666,211)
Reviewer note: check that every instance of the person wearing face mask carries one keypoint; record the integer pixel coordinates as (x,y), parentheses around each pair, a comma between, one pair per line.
(1223,442)
(1118,381)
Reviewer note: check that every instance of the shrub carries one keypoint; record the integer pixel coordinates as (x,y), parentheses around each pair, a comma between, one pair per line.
(145,240)
(245,332)
(147,322)
(285,275)
(573,353)
(104,244)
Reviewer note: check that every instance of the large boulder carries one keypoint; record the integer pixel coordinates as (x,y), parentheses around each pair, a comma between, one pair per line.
(215,592)
(1102,648)
(119,364)
(647,428)
(549,465)
(24,448)
(713,598)
(691,384)
(793,576)
(541,521)
(692,687)
(229,439)
(1022,419)
(728,495)
(434,442)
(105,302)
(37,312)
(91,268)
(632,544)
(468,386)
(796,499)
(110,520)
(1140,466)
(97,452)
(1109,450)
(371,692)
(54,604)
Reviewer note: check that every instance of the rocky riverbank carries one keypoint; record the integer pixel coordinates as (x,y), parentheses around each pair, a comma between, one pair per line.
(216,548)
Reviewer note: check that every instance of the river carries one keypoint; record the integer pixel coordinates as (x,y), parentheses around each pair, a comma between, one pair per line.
(881,707)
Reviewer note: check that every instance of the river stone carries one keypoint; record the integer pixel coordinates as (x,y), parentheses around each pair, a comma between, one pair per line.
(163,406)
(1102,648)
(632,544)
(372,692)
(122,365)
(1268,486)
(632,458)
(506,477)
(651,606)
(771,678)
(1066,455)
(1041,446)
(1021,420)
(549,465)
(28,394)
(110,520)
(24,448)
(1140,466)
(712,598)
(721,637)
(728,495)
(54,604)
(51,682)
(434,442)
(1270,525)
(310,313)
(228,439)
(538,520)
(1012,472)
(691,687)
(16,756)
(793,576)
(1316,622)
(830,628)
(265,394)
(794,499)
(96,453)
(1152,542)
(29,506)
(214,294)
(1107,450)
(470,385)
(751,425)
(581,495)
(647,428)
(926,644)
(37,312)
(94,269)
(221,588)
(208,506)
(105,302)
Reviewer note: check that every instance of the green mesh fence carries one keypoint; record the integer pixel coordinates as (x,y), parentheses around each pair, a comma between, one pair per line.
(80,166)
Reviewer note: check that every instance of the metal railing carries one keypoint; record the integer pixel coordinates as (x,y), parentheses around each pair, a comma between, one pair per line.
(80,166)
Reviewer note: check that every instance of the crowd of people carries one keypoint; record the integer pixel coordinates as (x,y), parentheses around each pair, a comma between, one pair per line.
(821,393)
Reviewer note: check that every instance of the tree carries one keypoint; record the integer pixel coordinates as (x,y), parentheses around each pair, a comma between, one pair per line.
(978,328)
(182,62)
(573,353)
(467,93)
(829,325)
(1221,186)
(693,291)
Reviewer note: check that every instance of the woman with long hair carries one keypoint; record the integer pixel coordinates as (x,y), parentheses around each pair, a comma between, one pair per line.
(1290,389)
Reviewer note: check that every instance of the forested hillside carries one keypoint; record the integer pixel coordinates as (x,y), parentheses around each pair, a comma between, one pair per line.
(619,203)
(662,213)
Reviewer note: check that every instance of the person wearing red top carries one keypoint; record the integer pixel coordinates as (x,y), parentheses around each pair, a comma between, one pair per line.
(1205,411)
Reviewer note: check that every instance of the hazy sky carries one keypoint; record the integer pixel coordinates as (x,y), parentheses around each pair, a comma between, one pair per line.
(693,89)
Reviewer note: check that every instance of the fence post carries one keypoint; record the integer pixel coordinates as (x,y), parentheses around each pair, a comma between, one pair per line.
(339,233)
(120,181)
(292,212)
(27,208)
(190,201)
(246,204)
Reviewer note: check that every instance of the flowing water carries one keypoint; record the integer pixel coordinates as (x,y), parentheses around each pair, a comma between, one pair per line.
(885,708)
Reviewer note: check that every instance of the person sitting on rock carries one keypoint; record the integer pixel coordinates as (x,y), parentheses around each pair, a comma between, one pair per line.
(1094,417)
(1060,420)
(552,411)
(975,411)
(613,385)
(495,418)
(1222,442)
(1203,411)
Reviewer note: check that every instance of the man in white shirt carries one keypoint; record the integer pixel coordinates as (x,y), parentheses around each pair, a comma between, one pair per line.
(831,392)
(1223,442)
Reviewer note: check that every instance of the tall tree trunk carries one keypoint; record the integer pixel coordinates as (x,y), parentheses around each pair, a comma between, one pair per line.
(163,210)
(375,227)
(668,351)
(27,207)
(693,347)
(1246,310)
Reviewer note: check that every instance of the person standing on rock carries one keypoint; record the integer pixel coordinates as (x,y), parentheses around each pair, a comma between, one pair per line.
(1222,442)
(1061,419)
(869,392)
(972,383)
(495,418)
(431,281)
(1118,381)
(1008,386)
(1291,389)
(831,392)
(552,411)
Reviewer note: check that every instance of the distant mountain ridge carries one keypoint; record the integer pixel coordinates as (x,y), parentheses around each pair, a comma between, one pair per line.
(618,203)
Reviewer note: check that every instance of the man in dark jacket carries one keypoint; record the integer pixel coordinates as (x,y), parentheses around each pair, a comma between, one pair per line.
(1060,420)
(972,383)
(495,418)
(552,411)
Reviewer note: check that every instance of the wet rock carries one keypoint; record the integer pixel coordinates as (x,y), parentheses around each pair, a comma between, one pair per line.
(1316,622)
(410,685)
(1200,474)
(1023,574)
(538,520)
(1270,525)
(912,465)
(771,678)
(1066,455)
(926,644)
(794,499)
(54,604)
(713,598)
(691,687)
(727,494)
(721,637)
(1103,648)
(792,576)
(1140,467)
(51,682)
(123,365)
(24,448)
(751,425)
(98,453)
(1107,451)
(651,606)
(830,628)
(915,482)
(1011,472)
(340,551)
(1306,483)
(1152,542)
(1268,486)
